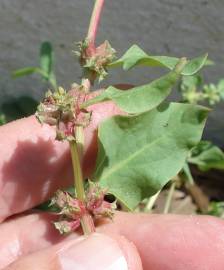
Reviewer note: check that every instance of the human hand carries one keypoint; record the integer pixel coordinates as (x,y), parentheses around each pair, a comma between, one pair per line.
(33,166)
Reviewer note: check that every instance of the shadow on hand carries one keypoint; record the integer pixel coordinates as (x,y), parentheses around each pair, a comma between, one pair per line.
(32,175)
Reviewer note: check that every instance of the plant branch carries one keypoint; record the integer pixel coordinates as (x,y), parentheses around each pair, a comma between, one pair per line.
(80,140)
(169,198)
(86,220)
(151,202)
(197,194)
(187,172)
(77,171)
(77,145)
(94,23)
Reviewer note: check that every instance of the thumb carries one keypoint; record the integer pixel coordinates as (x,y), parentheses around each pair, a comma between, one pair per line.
(97,252)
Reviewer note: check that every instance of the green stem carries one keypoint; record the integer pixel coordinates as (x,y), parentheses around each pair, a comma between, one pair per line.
(80,140)
(187,172)
(180,65)
(152,201)
(86,220)
(77,171)
(169,198)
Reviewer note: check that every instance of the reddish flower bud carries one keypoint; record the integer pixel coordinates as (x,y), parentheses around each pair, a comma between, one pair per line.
(72,209)
(62,109)
(95,60)
(65,226)
(96,204)
(106,210)
(59,199)
(95,196)
(69,206)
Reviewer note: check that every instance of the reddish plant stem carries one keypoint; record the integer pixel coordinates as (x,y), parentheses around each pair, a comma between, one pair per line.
(77,146)
(91,36)
(94,23)
(87,224)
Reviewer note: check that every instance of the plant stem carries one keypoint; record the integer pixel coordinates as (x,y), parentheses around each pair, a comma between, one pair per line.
(169,198)
(180,65)
(86,220)
(88,79)
(94,22)
(77,145)
(78,178)
(197,194)
(187,172)
(79,134)
(151,202)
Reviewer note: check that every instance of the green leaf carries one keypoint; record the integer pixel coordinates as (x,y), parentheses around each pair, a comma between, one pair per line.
(207,156)
(139,154)
(25,71)
(46,58)
(136,56)
(139,99)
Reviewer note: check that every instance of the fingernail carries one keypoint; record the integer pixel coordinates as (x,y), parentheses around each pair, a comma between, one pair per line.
(95,252)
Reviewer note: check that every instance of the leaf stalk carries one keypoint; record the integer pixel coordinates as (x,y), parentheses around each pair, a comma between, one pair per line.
(169,198)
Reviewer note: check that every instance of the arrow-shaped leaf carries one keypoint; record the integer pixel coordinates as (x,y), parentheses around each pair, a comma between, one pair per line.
(142,98)
(138,155)
(136,56)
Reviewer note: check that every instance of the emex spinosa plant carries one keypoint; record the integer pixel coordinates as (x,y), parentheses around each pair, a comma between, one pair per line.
(139,151)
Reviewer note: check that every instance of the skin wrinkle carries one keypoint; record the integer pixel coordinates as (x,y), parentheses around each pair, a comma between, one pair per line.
(11,253)
(4,207)
(11,249)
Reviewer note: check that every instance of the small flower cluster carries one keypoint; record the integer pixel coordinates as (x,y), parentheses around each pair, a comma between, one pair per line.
(95,60)
(62,109)
(72,209)
(193,91)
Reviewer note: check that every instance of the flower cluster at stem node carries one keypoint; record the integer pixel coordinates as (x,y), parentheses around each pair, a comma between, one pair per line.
(62,109)
(72,210)
(95,60)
